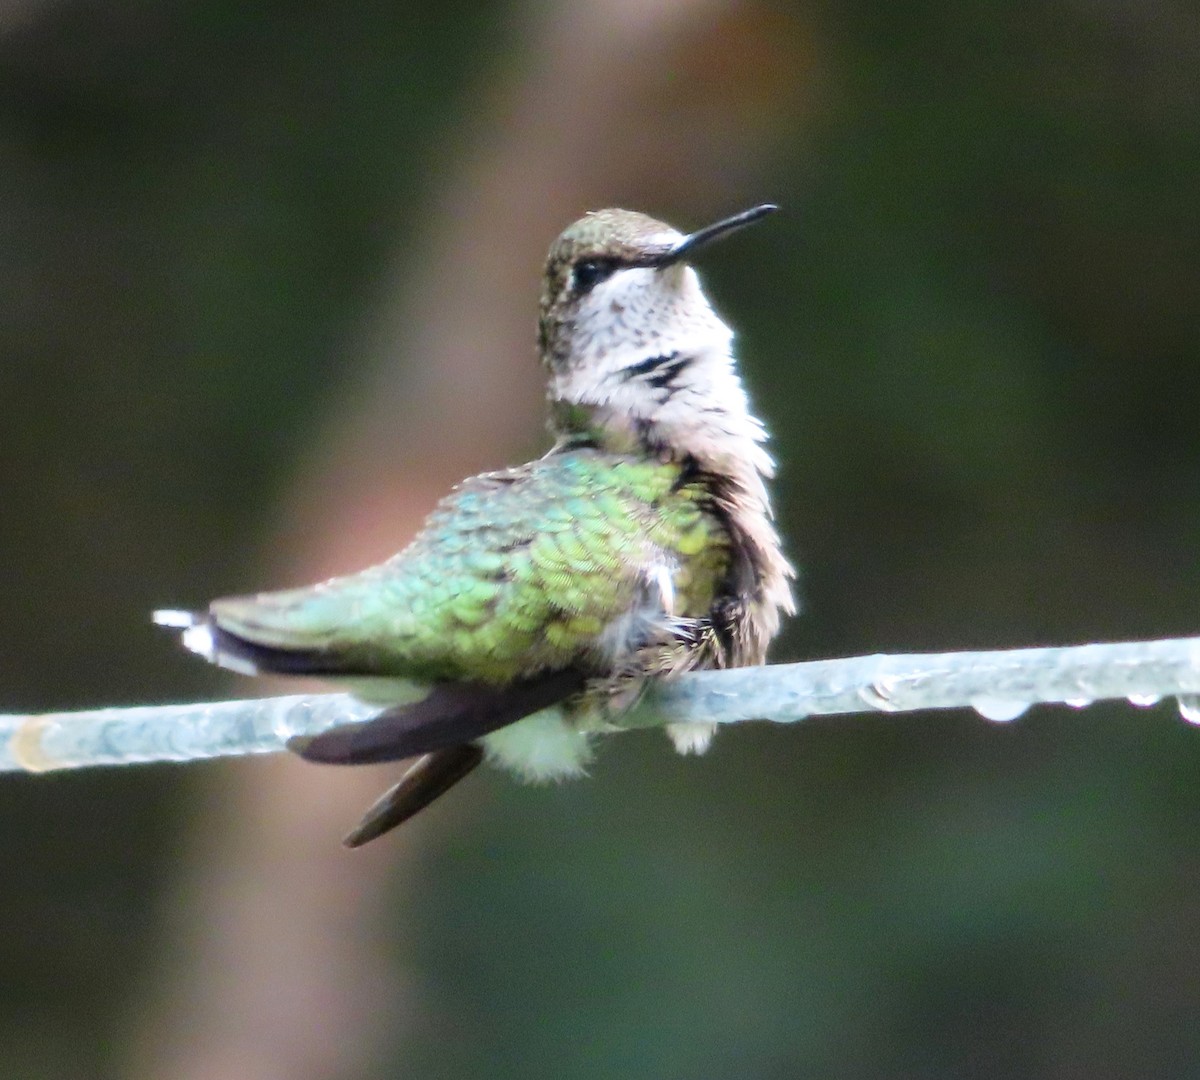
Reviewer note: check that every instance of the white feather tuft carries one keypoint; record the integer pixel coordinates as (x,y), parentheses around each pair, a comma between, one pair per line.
(691,738)
(544,746)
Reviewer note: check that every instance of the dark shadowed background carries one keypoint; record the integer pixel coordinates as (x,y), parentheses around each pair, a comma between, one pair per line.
(268,277)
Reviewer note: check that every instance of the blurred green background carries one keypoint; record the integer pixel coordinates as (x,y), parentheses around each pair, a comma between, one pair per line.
(268,277)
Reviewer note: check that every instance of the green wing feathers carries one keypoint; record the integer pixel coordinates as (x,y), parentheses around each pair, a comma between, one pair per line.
(514,572)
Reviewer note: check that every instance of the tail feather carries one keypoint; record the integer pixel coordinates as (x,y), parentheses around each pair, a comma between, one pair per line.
(429,778)
(205,637)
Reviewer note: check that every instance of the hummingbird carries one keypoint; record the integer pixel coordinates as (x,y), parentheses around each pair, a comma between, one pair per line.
(536,602)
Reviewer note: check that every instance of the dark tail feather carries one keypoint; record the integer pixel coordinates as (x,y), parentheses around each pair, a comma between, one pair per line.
(450,715)
(442,727)
(432,775)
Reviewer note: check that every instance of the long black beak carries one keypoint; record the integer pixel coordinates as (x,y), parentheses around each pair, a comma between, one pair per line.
(692,243)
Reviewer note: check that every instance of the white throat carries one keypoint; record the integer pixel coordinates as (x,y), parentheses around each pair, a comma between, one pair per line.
(651,359)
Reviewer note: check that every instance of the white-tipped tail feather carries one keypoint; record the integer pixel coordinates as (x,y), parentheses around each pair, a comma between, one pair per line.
(173,618)
(198,637)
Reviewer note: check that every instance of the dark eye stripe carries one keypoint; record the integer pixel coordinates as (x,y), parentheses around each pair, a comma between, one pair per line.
(588,273)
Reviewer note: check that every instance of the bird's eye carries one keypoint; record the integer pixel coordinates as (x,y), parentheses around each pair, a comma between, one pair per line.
(590,272)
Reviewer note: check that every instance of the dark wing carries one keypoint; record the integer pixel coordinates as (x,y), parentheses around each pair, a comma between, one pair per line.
(449,715)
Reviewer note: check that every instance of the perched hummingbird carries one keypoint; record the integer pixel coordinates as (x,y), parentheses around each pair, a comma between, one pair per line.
(536,601)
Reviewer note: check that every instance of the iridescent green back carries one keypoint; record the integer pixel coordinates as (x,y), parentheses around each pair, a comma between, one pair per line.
(515,572)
